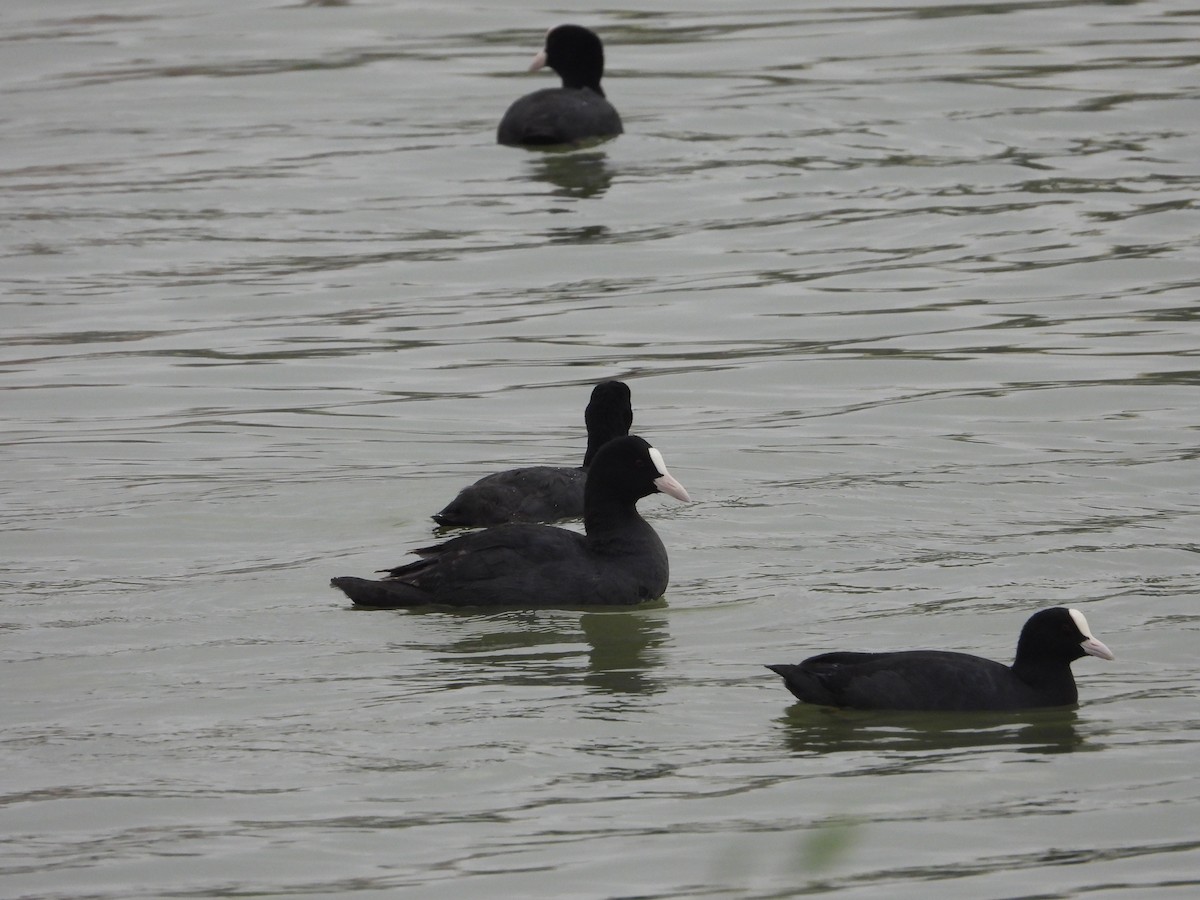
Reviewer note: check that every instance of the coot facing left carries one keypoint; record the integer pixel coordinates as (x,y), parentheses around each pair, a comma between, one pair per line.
(576,112)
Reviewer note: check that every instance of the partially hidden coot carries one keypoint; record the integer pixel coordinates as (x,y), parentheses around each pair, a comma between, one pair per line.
(1040,676)
(576,112)
(543,493)
(619,560)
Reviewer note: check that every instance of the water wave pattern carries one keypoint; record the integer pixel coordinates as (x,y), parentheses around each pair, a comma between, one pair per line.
(905,293)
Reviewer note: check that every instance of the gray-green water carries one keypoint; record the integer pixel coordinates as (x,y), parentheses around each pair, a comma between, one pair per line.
(906,295)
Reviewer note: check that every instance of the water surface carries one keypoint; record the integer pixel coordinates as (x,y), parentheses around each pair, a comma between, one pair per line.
(904,293)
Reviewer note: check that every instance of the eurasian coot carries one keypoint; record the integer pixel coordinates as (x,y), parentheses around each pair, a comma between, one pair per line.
(620,559)
(576,112)
(543,493)
(943,680)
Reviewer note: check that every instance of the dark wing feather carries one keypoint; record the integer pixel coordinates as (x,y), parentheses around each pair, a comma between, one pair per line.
(558,116)
(511,564)
(530,494)
(913,680)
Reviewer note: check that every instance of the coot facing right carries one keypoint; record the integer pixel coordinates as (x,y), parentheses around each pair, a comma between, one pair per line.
(619,560)
(943,680)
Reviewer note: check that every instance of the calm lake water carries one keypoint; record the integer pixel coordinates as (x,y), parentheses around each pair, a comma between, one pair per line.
(906,295)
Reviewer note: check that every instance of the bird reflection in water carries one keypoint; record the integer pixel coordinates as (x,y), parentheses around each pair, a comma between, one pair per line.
(578,174)
(623,651)
(812,729)
(524,647)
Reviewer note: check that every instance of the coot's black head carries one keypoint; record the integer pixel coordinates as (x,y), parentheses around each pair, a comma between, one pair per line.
(627,469)
(609,415)
(1058,634)
(576,54)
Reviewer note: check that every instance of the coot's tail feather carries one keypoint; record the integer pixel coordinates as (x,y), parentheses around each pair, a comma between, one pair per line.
(380,594)
(804,685)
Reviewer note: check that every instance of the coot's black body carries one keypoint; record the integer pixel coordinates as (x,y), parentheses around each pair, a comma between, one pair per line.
(543,493)
(1040,676)
(576,112)
(619,560)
